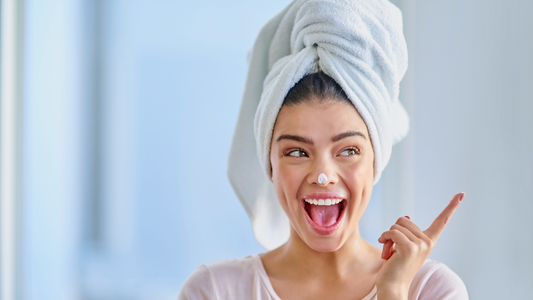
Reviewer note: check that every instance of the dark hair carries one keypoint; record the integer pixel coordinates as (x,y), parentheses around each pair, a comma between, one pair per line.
(315,87)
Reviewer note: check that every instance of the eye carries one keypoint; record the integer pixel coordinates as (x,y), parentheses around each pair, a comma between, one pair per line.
(350,151)
(296,153)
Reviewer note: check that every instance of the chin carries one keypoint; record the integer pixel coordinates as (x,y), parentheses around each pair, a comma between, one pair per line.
(326,245)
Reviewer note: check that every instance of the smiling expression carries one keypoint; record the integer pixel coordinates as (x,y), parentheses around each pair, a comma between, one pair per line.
(329,137)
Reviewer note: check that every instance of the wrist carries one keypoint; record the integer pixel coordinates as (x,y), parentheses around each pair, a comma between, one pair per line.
(392,293)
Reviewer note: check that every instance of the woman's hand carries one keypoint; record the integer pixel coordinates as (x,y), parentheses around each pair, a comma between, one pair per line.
(406,248)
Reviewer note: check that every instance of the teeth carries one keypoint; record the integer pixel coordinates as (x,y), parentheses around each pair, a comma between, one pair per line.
(323,201)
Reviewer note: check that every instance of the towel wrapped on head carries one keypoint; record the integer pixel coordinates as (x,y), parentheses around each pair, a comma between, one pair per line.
(358,43)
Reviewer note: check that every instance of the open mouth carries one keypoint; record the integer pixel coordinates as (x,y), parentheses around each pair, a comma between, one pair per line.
(324,215)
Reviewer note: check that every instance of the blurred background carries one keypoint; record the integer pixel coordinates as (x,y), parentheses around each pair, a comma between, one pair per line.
(128,109)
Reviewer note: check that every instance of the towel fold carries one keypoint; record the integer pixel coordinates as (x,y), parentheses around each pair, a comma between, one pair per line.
(360,44)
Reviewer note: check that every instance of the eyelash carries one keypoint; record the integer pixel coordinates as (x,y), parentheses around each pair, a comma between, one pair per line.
(355,149)
(288,152)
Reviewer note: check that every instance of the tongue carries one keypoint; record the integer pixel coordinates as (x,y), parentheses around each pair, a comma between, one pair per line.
(324,215)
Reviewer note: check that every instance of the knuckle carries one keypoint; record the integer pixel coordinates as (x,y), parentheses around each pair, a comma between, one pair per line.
(402,220)
(395,227)
(424,247)
(430,243)
(411,247)
(395,231)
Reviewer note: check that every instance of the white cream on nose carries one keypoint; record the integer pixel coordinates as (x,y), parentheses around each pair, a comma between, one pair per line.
(322,178)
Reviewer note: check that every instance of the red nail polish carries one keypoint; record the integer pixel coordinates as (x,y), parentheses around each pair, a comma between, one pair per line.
(408,217)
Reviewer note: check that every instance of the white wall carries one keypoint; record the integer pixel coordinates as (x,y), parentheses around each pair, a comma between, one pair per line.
(472,90)
(173,74)
(52,155)
(169,78)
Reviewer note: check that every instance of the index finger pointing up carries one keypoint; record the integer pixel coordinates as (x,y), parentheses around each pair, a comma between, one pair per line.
(437,227)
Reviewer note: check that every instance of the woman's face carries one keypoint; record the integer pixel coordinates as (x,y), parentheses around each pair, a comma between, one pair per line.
(322,137)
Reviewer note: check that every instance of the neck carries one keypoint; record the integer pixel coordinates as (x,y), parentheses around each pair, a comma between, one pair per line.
(355,255)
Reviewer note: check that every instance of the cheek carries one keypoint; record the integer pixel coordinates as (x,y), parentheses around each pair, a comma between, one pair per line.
(286,181)
(361,172)
(360,180)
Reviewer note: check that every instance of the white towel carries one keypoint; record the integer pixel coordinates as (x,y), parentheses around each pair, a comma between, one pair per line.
(360,44)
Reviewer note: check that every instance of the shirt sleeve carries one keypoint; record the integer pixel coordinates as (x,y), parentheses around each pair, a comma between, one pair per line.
(198,286)
(444,284)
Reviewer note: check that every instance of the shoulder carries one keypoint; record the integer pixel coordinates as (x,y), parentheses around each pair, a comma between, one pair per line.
(436,281)
(219,280)
(233,268)
(198,286)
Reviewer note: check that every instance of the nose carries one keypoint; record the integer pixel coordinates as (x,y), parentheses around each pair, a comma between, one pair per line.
(322,178)
(322,173)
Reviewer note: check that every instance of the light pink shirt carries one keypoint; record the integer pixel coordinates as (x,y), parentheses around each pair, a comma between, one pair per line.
(246,278)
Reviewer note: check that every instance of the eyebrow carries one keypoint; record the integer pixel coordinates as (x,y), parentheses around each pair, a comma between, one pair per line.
(295,138)
(343,135)
(308,141)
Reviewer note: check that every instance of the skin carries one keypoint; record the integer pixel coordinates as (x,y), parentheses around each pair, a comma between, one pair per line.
(340,265)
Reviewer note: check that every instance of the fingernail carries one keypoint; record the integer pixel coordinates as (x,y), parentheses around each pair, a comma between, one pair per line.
(408,217)
(461,197)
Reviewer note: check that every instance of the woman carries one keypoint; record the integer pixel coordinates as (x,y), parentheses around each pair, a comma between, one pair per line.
(322,95)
